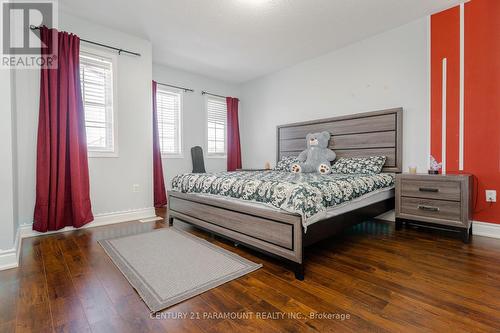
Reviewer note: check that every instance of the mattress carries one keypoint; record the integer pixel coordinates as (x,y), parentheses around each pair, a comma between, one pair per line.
(312,196)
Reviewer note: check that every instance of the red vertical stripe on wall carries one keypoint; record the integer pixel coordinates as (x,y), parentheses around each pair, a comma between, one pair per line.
(445,43)
(482,101)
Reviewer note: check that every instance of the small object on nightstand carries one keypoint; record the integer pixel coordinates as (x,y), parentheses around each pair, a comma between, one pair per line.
(440,201)
(412,170)
(434,166)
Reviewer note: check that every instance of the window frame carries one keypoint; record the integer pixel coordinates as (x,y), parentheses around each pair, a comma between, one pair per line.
(215,155)
(98,53)
(180,154)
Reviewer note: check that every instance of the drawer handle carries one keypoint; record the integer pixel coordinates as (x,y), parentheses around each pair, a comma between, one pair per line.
(428,208)
(428,189)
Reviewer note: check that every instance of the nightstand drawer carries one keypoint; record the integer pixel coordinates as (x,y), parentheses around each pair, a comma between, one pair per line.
(438,189)
(436,200)
(438,209)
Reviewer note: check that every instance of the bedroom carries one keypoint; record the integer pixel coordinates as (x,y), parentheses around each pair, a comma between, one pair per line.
(94,142)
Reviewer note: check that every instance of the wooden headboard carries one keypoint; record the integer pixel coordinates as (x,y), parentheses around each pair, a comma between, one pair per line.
(357,135)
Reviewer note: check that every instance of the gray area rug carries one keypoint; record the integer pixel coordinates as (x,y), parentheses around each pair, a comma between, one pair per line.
(168,266)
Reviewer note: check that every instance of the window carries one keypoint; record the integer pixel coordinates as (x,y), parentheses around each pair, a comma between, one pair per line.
(216,126)
(96,75)
(169,105)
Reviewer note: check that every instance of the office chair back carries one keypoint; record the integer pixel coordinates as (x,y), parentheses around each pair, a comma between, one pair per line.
(198,161)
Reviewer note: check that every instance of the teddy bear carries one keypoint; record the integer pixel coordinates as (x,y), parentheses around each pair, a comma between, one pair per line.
(317,157)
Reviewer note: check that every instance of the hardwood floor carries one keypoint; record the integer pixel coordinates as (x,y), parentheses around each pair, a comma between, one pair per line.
(386,281)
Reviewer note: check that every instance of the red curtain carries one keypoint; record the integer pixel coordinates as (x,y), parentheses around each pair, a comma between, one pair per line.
(233,135)
(62,175)
(159,192)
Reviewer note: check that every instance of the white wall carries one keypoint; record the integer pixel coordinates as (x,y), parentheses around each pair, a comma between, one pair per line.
(388,70)
(111,179)
(194,117)
(8,223)
(385,71)
(15,158)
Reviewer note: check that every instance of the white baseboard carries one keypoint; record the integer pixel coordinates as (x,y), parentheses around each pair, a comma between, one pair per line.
(118,217)
(486,229)
(388,216)
(99,221)
(151,219)
(10,258)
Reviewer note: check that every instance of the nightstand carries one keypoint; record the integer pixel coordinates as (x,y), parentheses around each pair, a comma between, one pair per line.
(441,201)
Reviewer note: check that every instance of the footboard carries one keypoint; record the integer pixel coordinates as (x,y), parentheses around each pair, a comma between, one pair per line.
(261,228)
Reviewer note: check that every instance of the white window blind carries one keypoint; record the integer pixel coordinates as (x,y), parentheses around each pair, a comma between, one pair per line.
(216,125)
(169,104)
(96,75)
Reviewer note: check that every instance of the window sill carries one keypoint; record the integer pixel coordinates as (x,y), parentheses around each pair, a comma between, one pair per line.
(173,156)
(217,156)
(102,154)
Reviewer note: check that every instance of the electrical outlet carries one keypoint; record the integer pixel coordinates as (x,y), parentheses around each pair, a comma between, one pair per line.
(135,188)
(491,196)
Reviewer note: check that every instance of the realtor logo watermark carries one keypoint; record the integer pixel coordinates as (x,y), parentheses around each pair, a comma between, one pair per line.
(21,47)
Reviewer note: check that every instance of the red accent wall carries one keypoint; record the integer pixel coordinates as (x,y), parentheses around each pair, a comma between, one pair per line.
(482,101)
(445,41)
(481,95)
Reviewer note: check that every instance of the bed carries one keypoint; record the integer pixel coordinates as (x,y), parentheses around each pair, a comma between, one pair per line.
(280,213)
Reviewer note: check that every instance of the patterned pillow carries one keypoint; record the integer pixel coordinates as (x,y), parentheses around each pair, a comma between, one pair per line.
(285,163)
(363,165)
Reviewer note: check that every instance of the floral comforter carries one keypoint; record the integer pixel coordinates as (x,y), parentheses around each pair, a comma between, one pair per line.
(304,194)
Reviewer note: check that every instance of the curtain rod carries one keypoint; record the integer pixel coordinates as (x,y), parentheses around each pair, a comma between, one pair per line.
(120,51)
(171,85)
(207,93)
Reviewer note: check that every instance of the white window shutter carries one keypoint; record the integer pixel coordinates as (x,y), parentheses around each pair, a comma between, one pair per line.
(216,125)
(168,105)
(96,76)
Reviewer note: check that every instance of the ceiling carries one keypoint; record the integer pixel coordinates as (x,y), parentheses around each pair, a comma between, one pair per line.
(238,40)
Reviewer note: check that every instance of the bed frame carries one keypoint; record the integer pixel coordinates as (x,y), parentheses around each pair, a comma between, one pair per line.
(281,234)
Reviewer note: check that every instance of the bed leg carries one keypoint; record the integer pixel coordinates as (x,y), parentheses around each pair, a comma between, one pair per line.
(170,221)
(299,271)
